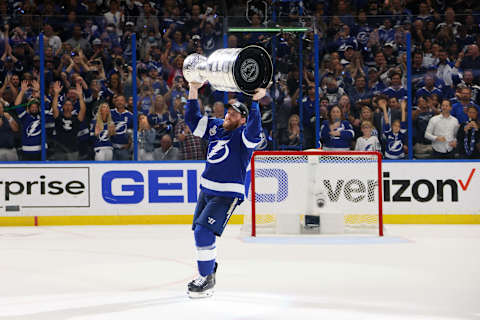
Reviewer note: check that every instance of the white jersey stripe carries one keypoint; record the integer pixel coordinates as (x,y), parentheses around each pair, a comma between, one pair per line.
(222,186)
(248,143)
(201,127)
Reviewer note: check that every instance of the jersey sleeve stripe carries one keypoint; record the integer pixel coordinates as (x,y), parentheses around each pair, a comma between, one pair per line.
(201,127)
(248,143)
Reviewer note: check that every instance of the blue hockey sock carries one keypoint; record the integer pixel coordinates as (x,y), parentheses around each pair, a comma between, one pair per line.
(206,250)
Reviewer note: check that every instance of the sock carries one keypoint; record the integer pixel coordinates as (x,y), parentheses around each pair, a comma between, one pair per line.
(206,250)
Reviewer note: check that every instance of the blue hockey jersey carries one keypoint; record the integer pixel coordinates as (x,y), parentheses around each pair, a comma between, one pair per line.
(123,122)
(229,152)
(394,141)
(103,141)
(343,141)
(31,131)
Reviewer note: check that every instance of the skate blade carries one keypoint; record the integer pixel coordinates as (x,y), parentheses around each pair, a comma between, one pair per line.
(200,295)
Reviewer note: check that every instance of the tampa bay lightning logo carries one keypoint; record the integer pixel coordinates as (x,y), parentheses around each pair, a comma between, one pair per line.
(218,151)
(103,136)
(121,127)
(369,147)
(395,146)
(262,145)
(33,128)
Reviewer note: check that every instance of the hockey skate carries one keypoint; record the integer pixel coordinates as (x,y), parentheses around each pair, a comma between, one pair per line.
(202,287)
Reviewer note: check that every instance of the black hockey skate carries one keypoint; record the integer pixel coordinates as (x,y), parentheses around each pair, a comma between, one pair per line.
(202,287)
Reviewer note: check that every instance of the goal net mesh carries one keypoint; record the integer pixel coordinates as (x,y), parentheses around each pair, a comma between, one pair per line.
(314,192)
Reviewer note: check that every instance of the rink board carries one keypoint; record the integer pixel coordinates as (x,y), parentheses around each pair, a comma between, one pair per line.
(84,193)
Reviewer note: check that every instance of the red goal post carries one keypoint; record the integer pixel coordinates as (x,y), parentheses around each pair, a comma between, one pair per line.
(362,193)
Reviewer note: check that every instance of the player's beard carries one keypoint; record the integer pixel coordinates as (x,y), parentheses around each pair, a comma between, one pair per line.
(230,125)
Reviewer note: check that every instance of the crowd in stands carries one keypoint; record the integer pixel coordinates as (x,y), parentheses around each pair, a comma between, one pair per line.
(88,76)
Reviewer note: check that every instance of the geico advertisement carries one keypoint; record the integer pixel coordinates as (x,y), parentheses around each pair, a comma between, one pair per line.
(172,188)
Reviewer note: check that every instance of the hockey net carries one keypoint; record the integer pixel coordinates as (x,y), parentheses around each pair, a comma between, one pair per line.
(312,192)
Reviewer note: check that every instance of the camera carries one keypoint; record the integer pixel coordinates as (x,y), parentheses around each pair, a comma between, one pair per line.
(125,67)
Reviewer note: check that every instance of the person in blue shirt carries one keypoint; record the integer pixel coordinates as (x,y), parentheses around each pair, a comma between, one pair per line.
(394,133)
(231,142)
(30,120)
(396,90)
(336,133)
(459,109)
(102,129)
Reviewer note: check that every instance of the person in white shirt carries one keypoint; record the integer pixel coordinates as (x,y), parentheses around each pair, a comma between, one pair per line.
(367,142)
(442,131)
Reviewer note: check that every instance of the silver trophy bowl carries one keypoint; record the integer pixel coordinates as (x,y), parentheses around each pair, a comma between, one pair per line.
(234,69)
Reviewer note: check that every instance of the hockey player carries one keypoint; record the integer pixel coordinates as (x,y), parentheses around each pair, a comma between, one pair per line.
(231,144)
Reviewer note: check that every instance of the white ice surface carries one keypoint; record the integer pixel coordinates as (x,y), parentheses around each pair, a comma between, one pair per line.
(141,272)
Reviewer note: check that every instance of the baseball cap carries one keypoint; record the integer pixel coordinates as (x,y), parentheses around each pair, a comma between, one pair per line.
(239,107)
(97,41)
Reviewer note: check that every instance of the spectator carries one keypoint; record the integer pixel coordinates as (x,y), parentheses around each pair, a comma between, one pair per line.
(192,147)
(77,40)
(468,136)
(167,151)
(332,91)
(396,89)
(446,69)
(429,88)
(123,120)
(67,124)
(450,22)
(360,93)
(367,142)
(115,17)
(470,60)
(336,133)
(394,133)
(459,109)
(8,127)
(219,110)
(308,121)
(421,115)
(146,138)
(103,129)
(366,114)
(442,131)
(30,119)
(290,136)
(468,82)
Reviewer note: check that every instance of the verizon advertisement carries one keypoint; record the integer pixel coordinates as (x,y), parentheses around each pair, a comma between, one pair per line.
(413,188)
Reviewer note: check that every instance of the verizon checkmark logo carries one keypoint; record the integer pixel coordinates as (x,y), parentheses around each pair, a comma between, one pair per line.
(465,186)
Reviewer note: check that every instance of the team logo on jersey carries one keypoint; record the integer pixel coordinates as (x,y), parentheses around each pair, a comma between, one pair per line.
(103,136)
(33,128)
(213,130)
(121,127)
(67,125)
(395,146)
(249,70)
(262,145)
(218,151)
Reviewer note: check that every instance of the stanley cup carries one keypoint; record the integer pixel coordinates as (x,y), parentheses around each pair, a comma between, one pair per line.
(235,69)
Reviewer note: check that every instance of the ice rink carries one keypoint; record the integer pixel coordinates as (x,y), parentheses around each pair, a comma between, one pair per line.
(141,272)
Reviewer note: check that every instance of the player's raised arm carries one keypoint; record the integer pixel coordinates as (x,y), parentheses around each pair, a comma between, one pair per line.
(251,134)
(194,119)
